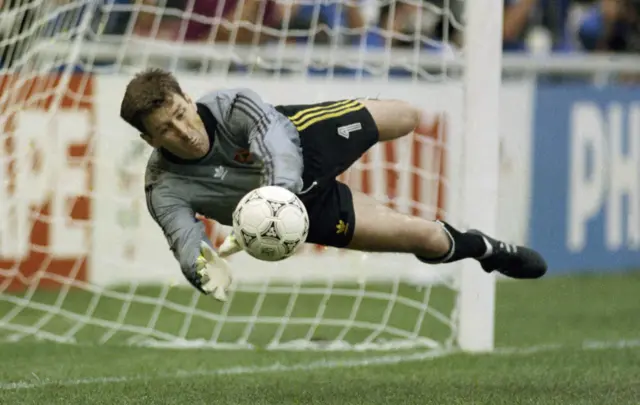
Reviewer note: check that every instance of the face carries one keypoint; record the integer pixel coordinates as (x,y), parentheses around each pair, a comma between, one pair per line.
(177,127)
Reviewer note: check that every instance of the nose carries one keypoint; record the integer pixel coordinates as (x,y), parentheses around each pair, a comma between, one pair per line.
(181,130)
(183,135)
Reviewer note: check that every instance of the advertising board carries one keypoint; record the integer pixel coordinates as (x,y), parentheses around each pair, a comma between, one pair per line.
(585,211)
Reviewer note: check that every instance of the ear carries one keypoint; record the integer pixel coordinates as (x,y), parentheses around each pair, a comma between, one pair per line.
(149,140)
(189,99)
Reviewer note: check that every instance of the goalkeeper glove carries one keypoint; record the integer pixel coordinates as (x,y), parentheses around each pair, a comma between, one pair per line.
(213,273)
(229,246)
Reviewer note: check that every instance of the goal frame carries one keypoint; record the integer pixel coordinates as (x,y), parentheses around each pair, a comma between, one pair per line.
(481,165)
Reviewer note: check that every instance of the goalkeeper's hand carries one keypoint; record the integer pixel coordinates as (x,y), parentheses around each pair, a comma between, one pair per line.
(229,246)
(213,272)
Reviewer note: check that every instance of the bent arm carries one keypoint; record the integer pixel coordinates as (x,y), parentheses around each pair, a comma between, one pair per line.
(272,139)
(183,231)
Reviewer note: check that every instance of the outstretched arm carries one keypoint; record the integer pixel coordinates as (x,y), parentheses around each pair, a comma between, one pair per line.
(272,139)
(188,241)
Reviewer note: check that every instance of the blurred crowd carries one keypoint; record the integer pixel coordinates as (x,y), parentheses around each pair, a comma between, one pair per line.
(529,25)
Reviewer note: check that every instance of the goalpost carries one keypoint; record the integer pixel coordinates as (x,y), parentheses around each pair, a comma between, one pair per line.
(81,260)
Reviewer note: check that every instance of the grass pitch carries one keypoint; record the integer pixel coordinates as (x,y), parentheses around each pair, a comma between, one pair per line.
(564,340)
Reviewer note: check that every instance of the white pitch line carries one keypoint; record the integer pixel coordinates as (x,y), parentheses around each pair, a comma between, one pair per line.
(276,367)
(316,365)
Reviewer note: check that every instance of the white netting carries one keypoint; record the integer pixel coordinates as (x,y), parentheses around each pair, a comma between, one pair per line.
(80,258)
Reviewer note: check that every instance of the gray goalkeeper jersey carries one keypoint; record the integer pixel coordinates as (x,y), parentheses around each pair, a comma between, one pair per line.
(253,145)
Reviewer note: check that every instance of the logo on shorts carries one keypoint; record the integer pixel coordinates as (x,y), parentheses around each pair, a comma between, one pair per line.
(346,130)
(342,227)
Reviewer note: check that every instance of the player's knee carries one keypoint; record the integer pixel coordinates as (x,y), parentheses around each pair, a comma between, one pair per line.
(394,118)
(410,118)
(435,241)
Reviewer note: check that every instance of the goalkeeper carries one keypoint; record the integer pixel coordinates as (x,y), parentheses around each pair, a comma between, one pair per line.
(210,153)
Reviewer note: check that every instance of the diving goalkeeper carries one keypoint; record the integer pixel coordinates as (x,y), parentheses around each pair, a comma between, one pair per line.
(211,152)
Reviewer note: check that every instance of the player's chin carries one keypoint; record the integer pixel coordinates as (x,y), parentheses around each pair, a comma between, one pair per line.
(202,150)
(197,149)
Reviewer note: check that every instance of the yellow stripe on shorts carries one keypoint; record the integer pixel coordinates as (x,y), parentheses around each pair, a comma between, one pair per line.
(305,118)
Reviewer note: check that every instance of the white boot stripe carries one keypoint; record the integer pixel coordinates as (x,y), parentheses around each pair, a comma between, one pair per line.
(489,251)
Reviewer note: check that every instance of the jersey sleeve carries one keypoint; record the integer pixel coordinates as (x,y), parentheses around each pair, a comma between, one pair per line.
(183,231)
(272,139)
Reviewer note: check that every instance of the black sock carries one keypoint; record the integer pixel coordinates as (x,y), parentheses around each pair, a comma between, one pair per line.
(463,246)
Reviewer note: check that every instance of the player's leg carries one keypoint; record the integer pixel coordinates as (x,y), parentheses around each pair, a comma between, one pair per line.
(378,228)
(334,135)
(393,118)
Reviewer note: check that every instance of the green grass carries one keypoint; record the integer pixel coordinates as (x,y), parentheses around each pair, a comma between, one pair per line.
(566,312)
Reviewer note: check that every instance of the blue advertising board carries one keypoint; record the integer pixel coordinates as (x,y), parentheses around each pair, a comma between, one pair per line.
(585,212)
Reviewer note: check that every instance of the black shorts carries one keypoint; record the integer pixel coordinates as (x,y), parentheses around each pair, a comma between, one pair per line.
(333,136)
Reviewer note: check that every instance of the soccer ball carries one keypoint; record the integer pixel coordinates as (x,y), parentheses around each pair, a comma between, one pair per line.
(270,223)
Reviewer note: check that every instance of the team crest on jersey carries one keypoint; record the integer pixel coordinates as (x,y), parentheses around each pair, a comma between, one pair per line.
(243,156)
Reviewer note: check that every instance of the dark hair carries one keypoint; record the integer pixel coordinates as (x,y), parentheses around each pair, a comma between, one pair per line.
(147,91)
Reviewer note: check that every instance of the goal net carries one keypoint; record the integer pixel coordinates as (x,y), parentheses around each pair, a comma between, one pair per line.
(81,261)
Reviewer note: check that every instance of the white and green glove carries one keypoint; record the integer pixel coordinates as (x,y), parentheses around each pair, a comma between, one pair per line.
(214,273)
(229,246)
